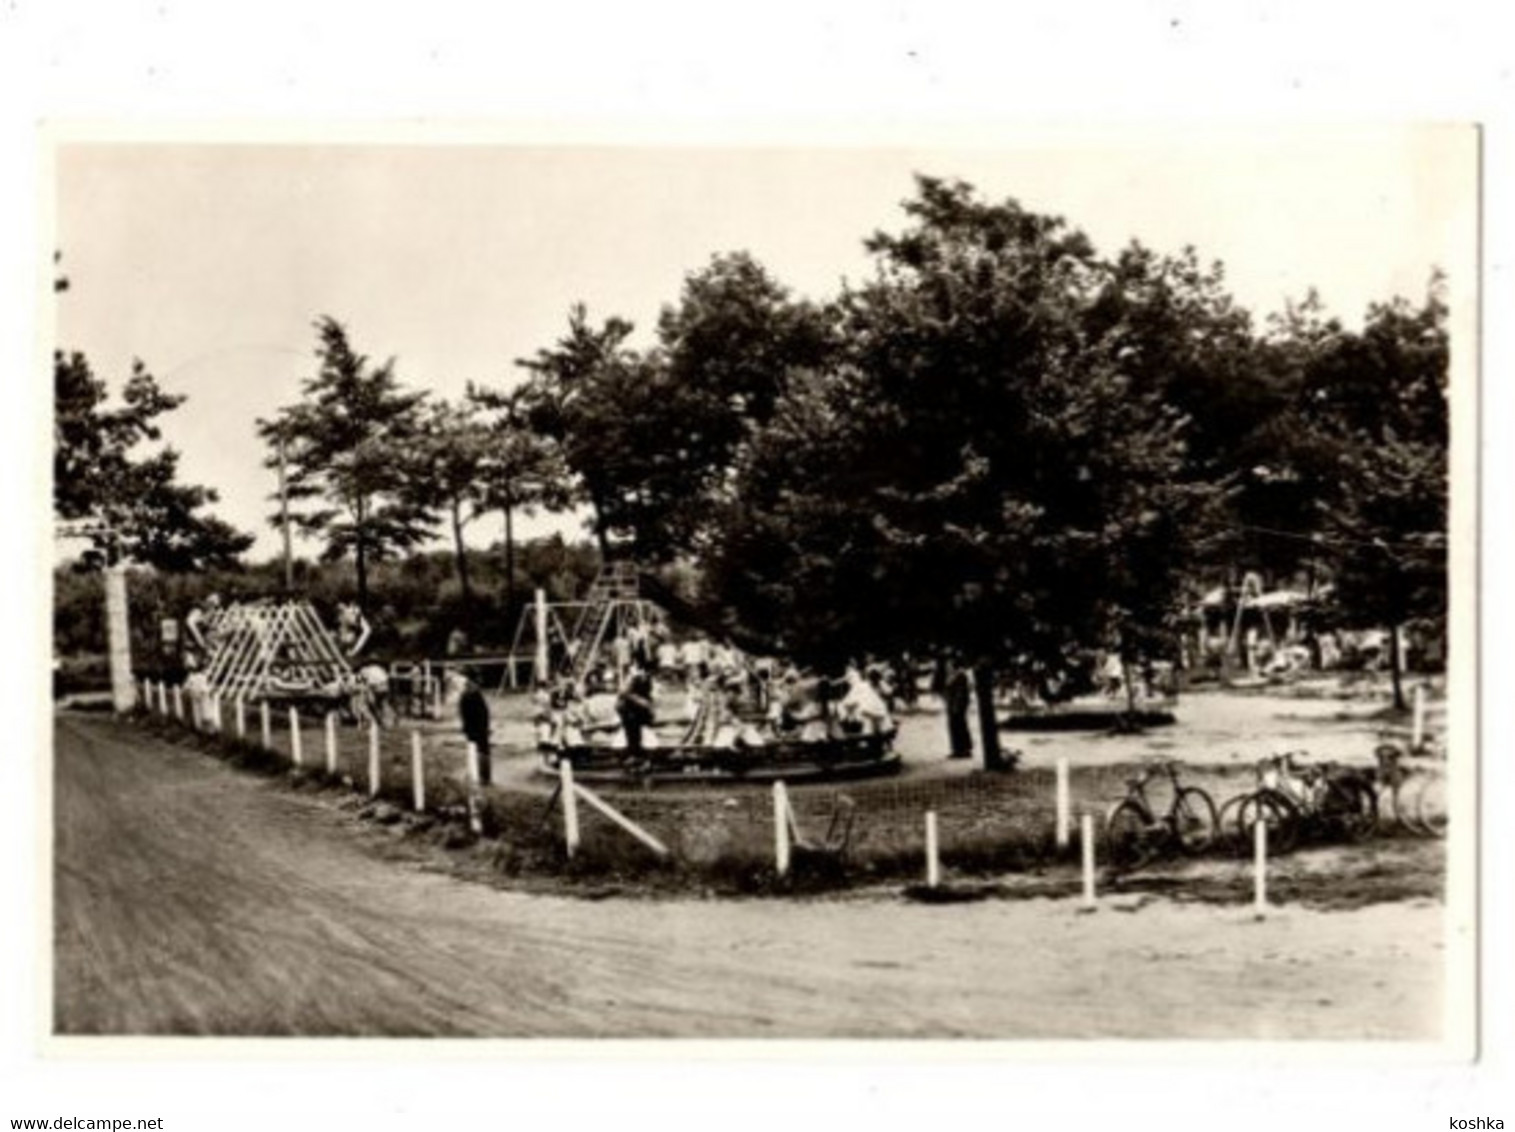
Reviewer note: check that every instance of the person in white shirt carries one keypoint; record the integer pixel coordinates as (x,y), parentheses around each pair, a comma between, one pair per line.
(863,708)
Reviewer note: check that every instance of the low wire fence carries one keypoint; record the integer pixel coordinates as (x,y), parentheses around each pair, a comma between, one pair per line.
(743,839)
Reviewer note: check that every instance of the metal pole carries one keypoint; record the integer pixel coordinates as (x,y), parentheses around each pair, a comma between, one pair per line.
(540,601)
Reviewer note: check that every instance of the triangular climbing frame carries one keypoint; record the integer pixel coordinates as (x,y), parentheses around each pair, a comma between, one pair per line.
(257,641)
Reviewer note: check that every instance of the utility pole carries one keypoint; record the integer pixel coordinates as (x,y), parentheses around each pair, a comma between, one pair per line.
(289,565)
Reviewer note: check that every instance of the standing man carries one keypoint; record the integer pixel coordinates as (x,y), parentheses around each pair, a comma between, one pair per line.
(635,707)
(957,694)
(473,711)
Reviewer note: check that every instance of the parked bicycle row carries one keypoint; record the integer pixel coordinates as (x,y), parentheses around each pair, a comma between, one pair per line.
(1300,802)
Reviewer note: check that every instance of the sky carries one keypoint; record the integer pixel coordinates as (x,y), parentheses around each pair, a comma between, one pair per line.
(211,261)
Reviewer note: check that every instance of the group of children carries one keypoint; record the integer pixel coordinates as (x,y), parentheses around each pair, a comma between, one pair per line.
(730,701)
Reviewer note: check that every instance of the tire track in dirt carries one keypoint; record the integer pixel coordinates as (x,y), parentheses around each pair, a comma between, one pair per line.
(192,899)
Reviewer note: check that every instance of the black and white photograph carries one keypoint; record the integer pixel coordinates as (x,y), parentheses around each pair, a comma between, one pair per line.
(1018,591)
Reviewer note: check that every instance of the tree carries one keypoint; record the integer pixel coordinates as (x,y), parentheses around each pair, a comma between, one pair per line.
(344,445)
(129,507)
(727,352)
(1380,397)
(521,470)
(590,394)
(444,467)
(653,435)
(978,474)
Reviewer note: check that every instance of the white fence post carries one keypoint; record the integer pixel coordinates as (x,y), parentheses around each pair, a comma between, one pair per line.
(179,702)
(570,806)
(331,743)
(373,760)
(1418,731)
(475,821)
(215,713)
(418,771)
(1260,868)
(295,754)
(162,698)
(933,865)
(241,712)
(1086,844)
(1063,803)
(266,719)
(781,828)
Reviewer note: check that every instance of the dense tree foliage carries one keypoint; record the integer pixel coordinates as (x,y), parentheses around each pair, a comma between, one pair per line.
(979,473)
(131,507)
(443,467)
(522,471)
(1378,401)
(595,398)
(652,435)
(344,446)
(1000,445)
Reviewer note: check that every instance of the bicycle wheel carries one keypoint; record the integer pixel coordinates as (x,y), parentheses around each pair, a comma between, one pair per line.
(1280,814)
(1227,825)
(1349,809)
(1128,837)
(1431,807)
(1194,819)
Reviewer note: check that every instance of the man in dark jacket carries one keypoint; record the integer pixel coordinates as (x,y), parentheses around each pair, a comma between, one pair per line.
(957,695)
(635,707)
(473,709)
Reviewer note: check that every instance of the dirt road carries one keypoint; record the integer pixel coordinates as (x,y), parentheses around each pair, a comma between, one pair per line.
(194,899)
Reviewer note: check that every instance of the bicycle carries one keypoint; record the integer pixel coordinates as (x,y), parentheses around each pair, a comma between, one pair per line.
(1135,833)
(1414,796)
(1324,800)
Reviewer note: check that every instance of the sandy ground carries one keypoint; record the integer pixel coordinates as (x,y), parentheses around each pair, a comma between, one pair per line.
(192,899)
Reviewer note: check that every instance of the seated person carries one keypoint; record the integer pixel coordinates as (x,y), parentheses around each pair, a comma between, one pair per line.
(798,710)
(600,719)
(862,709)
